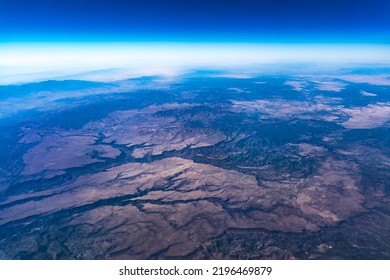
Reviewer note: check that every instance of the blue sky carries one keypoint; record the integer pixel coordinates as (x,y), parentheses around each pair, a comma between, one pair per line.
(271,21)
(42,39)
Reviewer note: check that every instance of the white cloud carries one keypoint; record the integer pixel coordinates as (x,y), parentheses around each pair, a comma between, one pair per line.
(238,90)
(365,93)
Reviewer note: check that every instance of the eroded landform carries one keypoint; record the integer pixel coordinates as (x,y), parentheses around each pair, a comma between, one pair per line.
(242,177)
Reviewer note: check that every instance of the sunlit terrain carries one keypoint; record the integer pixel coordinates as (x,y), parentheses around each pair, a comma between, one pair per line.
(287,161)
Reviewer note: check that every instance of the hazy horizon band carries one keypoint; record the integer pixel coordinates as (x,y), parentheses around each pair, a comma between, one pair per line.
(70,58)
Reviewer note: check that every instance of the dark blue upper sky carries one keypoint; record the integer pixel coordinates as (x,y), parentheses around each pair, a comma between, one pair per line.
(277,21)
